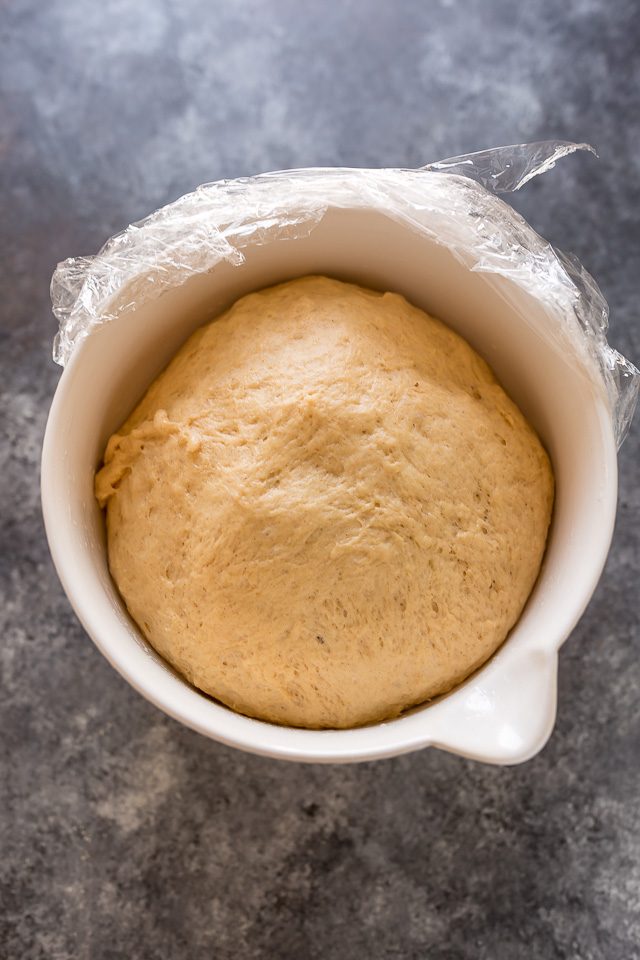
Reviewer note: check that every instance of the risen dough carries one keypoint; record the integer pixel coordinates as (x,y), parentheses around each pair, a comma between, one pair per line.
(326,509)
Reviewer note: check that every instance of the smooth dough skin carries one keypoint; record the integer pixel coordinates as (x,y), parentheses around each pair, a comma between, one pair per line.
(326,509)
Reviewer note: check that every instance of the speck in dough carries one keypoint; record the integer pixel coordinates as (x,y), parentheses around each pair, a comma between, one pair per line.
(326,509)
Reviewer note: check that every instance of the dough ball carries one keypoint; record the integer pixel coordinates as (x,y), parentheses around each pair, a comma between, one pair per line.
(326,509)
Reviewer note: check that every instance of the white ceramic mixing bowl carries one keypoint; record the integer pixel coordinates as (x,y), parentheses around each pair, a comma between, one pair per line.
(506,711)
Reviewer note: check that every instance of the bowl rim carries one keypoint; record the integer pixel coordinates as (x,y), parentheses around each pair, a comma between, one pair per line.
(394,737)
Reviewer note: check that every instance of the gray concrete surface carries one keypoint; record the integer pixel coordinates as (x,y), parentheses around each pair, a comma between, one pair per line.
(126,835)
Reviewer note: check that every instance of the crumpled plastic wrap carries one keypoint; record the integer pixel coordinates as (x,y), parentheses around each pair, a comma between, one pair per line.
(453,201)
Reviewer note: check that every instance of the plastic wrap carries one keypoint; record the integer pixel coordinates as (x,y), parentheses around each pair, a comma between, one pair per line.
(453,201)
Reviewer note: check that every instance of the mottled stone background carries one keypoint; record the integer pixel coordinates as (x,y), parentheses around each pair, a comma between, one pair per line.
(126,835)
